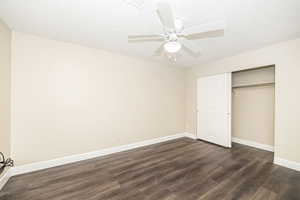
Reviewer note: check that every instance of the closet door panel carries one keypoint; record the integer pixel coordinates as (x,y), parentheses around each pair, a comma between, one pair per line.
(214,109)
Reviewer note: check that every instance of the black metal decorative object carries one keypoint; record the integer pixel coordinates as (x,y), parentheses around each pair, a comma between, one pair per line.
(5,162)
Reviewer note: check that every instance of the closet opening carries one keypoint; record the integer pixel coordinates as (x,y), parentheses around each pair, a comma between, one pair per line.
(253,106)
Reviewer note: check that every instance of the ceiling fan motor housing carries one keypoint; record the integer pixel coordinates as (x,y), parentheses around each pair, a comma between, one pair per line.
(172,37)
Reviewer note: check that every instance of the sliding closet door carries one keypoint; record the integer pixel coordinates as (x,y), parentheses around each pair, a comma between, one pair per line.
(214,109)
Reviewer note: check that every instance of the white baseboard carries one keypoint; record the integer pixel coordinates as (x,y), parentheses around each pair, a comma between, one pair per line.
(4,178)
(79,157)
(287,163)
(254,144)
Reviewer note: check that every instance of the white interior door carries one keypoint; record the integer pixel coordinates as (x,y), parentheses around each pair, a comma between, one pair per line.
(214,109)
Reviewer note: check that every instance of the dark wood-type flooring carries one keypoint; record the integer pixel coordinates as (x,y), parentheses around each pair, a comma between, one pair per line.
(182,169)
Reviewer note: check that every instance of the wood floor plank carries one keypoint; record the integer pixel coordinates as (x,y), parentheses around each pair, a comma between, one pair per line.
(181,169)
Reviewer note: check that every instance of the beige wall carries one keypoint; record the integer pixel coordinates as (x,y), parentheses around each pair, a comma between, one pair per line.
(5,44)
(68,99)
(253,114)
(286,57)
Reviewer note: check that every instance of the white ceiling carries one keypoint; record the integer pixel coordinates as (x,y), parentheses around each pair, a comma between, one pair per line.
(105,24)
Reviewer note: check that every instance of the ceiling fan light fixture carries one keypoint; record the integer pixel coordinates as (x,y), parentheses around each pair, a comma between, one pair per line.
(172,47)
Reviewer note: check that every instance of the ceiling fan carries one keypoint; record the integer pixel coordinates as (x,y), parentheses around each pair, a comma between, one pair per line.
(176,37)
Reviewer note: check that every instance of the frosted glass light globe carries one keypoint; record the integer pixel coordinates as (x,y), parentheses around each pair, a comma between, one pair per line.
(172,47)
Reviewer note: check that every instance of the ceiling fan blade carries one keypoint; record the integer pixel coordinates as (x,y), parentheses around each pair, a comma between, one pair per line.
(219,25)
(191,49)
(160,50)
(165,14)
(133,37)
(191,52)
(210,34)
(146,40)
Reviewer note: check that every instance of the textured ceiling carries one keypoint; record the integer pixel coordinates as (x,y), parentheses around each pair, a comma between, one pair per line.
(105,24)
